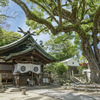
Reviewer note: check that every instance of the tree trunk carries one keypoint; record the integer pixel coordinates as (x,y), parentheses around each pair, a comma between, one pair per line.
(95,73)
(93,63)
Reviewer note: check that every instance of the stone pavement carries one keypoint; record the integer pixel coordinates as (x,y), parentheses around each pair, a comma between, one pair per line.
(68,95)
(29,96)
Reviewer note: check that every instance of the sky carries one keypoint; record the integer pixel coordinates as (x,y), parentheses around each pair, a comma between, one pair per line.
(19,21)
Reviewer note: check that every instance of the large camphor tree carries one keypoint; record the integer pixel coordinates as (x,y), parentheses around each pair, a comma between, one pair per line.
(79,16)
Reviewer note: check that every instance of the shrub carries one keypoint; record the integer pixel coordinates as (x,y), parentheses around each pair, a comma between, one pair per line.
(60,68)
(80,68)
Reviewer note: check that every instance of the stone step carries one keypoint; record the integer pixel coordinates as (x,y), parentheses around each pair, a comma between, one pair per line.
(8,85)
(2,90)
(12,90)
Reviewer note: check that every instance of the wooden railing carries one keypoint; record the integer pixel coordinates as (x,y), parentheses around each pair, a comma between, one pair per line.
(6,75)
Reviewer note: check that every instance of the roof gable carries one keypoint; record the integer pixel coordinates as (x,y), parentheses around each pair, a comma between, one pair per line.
(16,48)
(67,59)
(71,62)
(14,43)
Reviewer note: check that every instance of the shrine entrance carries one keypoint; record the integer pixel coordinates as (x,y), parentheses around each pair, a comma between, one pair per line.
(24,72)
(24,76)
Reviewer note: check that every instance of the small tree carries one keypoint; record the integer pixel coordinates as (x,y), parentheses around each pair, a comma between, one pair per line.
(49,68)
(60,68)
(80,68)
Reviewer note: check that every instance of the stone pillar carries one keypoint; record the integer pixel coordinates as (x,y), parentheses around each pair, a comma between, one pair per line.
(86,76)
(40,76)
(23,90)
(72,73)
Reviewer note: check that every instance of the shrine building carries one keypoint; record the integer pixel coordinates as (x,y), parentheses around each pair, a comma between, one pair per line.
(25,58)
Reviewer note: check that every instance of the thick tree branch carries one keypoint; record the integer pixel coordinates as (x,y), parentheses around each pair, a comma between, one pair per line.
(83,12)
(87,11)
(95,32)
(83,22)
(65,13)
(31,16)
(79,6)
(70,1)
(60,14)
(42,30)
(74,10)
(98,40)
(96,16)
(88,29)
(78,9)
(44,9)
(64,5)
(77,29)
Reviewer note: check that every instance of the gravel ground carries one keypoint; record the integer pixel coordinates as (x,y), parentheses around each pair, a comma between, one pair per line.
(51,94)
(28,96)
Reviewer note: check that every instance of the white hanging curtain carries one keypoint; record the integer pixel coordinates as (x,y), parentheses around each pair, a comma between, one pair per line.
(23,68)
(15,70)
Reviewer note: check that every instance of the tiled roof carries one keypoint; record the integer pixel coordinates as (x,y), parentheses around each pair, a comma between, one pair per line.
(14,43)
(28,50)
(35,47)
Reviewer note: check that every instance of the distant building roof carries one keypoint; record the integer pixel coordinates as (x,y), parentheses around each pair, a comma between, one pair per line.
(67,59)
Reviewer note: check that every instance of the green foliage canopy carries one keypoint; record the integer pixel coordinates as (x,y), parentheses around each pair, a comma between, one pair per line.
(80,68)
(60,50)
(57,68)
(3,4)
(7,36)
(82,59)
(60,68)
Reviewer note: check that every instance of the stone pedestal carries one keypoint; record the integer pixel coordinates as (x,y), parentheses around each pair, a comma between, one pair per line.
(56,81)
(64,86)
(23,90)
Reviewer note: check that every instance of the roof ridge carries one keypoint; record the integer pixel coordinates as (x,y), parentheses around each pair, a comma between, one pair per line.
(27,50)
(67,59)
(14,43)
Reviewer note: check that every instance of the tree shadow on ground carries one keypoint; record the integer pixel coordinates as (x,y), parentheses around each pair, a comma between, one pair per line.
(69,96)
(40,98)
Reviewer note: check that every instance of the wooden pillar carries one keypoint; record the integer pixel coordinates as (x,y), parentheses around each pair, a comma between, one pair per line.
(42,68)
(12,68)
(6,81)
